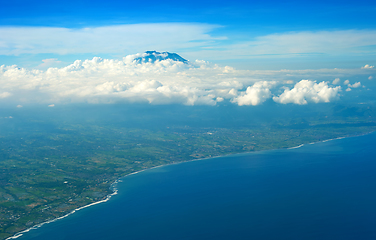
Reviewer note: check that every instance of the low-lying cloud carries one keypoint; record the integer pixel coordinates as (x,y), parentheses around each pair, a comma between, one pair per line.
(307,91)
(255,94)
(163,82)
(367,66)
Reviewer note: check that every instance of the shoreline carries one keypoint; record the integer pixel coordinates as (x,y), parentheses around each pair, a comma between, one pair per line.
(108,197)
(323,141)
(115,190)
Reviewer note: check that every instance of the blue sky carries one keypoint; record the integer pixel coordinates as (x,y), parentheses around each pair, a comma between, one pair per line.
(242,52)
(230,24)
(274,15)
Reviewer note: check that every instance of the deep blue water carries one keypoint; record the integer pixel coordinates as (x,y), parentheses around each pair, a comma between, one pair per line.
(319,191)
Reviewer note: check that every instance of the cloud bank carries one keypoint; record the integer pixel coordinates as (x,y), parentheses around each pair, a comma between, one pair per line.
(163,82)
(197,39)
(308,91)
(106,39)
(330,42)
(299,44)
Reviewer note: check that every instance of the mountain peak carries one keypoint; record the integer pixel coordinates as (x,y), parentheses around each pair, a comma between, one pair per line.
(152,56)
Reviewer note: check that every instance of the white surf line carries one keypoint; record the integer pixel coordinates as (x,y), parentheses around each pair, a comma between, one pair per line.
(327,140)
(113,186)
(301,145)
(332,139)
(19,234)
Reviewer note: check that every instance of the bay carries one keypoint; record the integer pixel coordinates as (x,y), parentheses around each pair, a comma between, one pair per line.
(325,190)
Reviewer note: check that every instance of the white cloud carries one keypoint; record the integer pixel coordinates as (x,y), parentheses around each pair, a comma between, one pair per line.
(346,82)
(355,85)
(194,38)
(107,80)
(220,99)
(19,106)
(254,95)
(308,91)
(49,63)
(294,44)
(370,78)
(5,94)
(348,89)
(106,39)
(367,66)
(336,81)
(100,80)
(51,105)
(314,42)
(289,82)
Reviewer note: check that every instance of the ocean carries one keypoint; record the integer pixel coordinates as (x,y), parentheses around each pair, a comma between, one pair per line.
(325,190)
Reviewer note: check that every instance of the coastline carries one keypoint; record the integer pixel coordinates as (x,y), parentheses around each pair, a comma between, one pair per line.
(115,190)
(108,197)
(301,145)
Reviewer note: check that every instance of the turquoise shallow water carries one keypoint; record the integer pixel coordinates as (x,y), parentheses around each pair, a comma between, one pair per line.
(318,191)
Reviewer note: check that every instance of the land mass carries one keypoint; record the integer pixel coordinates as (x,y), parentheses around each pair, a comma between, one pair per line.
(51,165)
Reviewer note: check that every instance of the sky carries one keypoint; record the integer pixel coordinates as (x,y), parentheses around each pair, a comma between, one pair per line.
(243,52)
